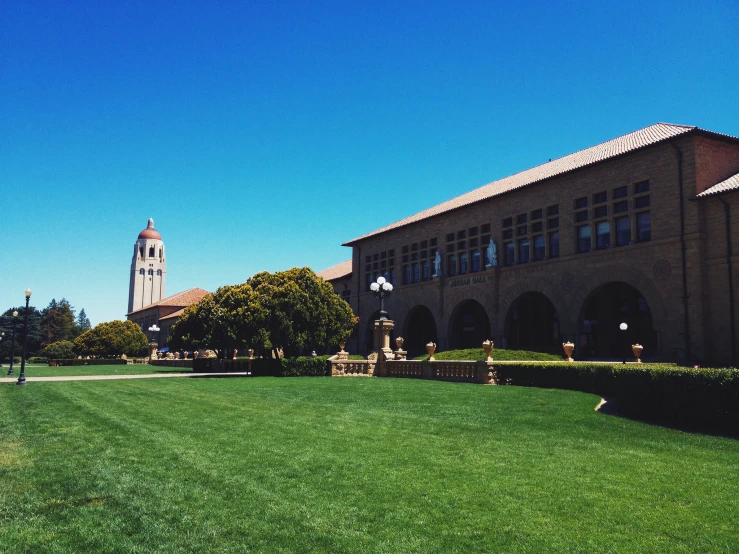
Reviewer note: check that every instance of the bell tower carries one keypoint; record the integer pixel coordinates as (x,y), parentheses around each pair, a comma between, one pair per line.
(148,269)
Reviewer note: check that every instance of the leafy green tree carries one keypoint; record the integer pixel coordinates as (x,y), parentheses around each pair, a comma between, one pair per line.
(61,350)
(57,322)
(83,323)
(33,343)
(112,338)
(291,309)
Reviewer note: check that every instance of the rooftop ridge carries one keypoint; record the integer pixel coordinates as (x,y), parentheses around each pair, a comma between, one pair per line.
(163,301)
(629,142)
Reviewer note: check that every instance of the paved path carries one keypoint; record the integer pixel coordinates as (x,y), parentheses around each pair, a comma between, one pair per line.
(113,377)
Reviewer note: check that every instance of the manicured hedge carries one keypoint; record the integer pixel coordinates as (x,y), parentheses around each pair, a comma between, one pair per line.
(700,399)
(75,362)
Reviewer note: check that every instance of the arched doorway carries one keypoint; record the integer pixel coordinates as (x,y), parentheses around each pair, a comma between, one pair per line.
(420,328)
(469,326)
(369,341)
(603,312)
(532,324)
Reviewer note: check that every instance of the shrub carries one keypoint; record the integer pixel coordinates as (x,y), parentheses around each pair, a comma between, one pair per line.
(306,366)
(701,399)
(58,350)
(477,355)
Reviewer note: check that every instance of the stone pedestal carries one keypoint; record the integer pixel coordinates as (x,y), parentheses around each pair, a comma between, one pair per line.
(382,329)
(153,350)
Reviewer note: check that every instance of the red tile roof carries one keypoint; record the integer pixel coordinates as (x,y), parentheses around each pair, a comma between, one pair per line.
(173,315)
(732,183)
(344,269)
(182,299)
(610,149)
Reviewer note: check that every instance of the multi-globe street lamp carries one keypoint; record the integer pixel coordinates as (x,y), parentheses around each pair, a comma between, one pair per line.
(22,376)
(153,329)
(12,342)
(382,289)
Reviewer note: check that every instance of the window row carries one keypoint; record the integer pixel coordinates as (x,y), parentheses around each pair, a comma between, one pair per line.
(621,235)
(533,215)
(151,272)
(619,192)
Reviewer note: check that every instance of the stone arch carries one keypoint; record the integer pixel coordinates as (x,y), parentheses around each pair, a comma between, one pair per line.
(469,325)
(418,329)
(604,310)
(534,285)
(532,323)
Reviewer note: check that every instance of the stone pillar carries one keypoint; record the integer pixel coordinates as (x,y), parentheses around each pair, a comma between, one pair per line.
(153,350)
(382,329)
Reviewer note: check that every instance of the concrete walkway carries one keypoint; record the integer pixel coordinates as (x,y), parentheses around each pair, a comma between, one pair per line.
(114,377)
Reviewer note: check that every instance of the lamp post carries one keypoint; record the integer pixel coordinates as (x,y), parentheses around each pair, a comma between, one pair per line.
(624,327)
(22,376)
(12,342)
(153,329)
(382,289)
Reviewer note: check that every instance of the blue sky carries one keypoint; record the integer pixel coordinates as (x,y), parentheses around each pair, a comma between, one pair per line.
(262,135)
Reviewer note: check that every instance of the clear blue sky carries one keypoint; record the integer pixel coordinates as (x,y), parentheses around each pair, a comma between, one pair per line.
(262,135)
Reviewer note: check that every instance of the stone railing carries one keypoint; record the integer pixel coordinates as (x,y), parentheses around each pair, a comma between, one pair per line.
(348,367)
(171,363)
(446,370)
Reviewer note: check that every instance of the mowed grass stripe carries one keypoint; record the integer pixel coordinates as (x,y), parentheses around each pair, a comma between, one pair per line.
(353,465)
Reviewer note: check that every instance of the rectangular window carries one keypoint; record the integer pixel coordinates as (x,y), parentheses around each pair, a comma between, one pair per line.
(581,216)
(553,223)
(521,231)
(536,227)
(405,258)
(475,260)
(521,218)
(383,264)
(536,214)
(507,222)
(368,279)
(602,235)
(433,242)
(485,240)
(581,203)
(641,186)
(425,270)
(383,255)
(414,256)
(463,268)
(406,274)
(451,265)
(510,253)
(641,202)
(472,231)
(416,273)
(600,211)
(623,231)
(643,226)
(553,210)
(600,197)
(554,244)
(391,253)
(523,251)
(485,228)
(375,257)
(485,258)
(414,247)
(368,259)
(461,235)
(405,249)
(508,233)
(620,192)
(424,254)
(375,265)
(539,248)
(620,207)
(583,238)
(473,242)
(461,245)
(424,244)
(392,276)
(450,237)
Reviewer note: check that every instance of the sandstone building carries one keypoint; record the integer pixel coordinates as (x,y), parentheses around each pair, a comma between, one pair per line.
(636,230)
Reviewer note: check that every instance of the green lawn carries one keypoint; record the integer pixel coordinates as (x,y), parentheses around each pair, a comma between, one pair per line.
(478,355)
(350,465)
(43,370)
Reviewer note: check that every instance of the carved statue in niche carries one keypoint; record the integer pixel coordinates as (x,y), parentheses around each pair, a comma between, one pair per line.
(492,254)
(437,265)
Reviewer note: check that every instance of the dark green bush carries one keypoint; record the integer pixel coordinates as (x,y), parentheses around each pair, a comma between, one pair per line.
(37,360)
(701,399)
(306,366)
(76,362)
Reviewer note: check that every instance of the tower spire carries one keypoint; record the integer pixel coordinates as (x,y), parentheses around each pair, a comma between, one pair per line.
(151,223)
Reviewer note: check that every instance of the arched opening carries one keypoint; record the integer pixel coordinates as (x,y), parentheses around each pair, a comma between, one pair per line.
(159,272)
(469,326)
(369,334)
(151,251)
(603,312)
(419,328)
(532,324)
(141,252)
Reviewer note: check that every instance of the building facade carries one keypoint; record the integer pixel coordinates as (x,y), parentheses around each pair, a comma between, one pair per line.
(148,278)
(637,230)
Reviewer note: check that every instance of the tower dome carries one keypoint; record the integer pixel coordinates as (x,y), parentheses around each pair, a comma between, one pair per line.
(150,232)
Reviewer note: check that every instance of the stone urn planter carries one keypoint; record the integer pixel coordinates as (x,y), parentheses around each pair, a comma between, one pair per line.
(431,348)
(399,342)
(637,350)
(251,353)
(195,354)
(487,346)
(341,347)
(568,347)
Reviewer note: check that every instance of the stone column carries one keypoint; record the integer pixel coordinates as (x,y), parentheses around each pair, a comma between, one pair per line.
(382,328)
(153,350)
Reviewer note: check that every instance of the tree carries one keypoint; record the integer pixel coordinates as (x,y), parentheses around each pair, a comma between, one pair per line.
(59,350)
(112,338)
(57,322)
(33,343)
(83,323)
(291,309)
